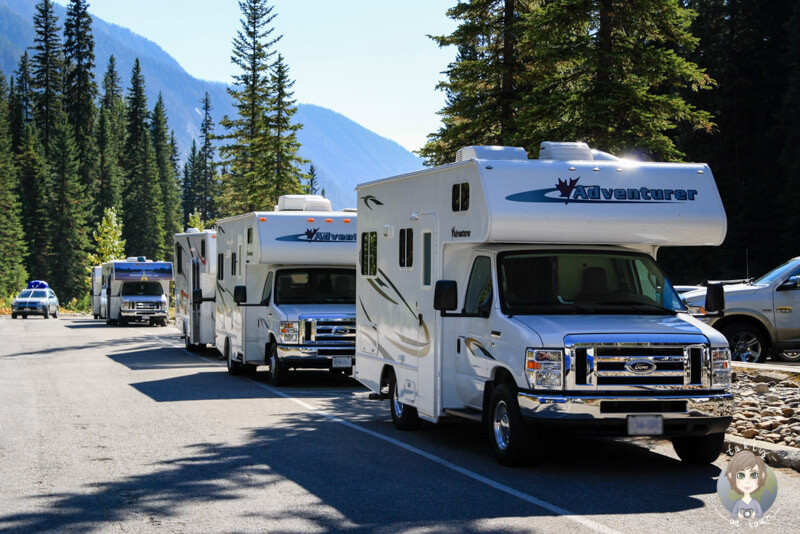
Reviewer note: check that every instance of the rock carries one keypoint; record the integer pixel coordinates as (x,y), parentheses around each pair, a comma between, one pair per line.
(748,403)
(794,419)
(772,398)
(788,412)
(750,433)
(768,425)
(789,384)
(768,412)
(762,388)
(774,438)
(753,415)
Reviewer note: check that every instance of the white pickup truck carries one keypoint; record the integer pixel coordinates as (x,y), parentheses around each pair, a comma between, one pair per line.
(760,316)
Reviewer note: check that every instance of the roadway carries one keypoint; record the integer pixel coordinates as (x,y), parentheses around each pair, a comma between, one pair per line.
(119,428)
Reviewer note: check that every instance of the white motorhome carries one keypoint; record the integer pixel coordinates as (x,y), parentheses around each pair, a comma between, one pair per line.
(135,289)
(286,288)
(96,289)
(195,286)
(564,317)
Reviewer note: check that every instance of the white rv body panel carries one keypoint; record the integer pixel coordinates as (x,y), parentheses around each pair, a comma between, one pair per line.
(196,269)
(455,219)
(96,289)
(253,249)
(120,276)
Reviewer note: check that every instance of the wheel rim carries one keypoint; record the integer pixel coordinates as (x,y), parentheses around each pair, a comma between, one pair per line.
(397,406)
(501,425)
(790,356)
(746,347)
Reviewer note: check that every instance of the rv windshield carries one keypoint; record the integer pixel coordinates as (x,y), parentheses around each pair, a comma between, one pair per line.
(545,283)
(315,286)
(139,289)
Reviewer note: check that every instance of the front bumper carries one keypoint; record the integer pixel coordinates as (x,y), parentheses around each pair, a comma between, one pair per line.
(29,310)
(684,415)
(144,315)
(315,356)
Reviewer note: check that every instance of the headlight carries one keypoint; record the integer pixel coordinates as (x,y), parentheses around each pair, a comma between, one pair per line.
(290,331)
(127,305)
(545,368)
(695,310)
(720,367)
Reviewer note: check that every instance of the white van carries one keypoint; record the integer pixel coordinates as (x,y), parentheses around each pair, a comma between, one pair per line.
(135,289)
(195,286)
(564,320)
(286,288)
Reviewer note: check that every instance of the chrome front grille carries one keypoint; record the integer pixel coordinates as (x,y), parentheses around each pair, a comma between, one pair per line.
(623,362)
(147,305)
(328,331)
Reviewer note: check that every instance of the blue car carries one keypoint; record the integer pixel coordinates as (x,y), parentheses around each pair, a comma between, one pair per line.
(35,301)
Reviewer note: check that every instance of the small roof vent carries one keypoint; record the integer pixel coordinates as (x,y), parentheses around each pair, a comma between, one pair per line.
(192,230)
(491,152)
(565,151)
(303,203)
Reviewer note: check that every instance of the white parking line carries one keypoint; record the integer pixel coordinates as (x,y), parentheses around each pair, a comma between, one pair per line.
(557,510)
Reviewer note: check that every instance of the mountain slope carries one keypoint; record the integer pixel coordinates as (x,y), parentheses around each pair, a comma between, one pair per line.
(343,152)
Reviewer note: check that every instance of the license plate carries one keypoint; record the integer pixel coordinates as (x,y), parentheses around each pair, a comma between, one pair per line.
(342,362)
(645,425)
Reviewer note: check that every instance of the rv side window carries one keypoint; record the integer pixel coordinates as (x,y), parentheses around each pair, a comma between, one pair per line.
(233,264)
(203,249)
(369,253)
(239,265)
(461,197)
(267,290)
(479,289)
(406,247)
(426,259)
(220,266)
(249,235)
(179,258)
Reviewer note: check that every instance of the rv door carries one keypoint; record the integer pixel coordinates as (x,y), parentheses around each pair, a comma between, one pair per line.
(195,331)
(428,336)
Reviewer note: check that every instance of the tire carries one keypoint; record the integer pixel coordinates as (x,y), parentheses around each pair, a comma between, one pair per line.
(24,315)
(747,343)
(55,314)
(46,314)
(404,417)
(788,356)
(277,373)
(506,429)
(234,367)
(191,347)
(13,315)
(96,316)
(699,449)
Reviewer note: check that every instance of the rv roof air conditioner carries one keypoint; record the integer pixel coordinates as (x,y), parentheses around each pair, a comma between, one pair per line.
(491,152)
(192,230)
(565,151)
(303,203)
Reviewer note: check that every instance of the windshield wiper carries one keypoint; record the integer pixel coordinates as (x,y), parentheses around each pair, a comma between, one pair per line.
(641,304)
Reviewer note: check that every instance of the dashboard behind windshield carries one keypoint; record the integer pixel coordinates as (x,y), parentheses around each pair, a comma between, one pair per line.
(149,289)
(315,286)
(533,282)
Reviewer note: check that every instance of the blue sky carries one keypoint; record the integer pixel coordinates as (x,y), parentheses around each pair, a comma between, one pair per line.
(367,59)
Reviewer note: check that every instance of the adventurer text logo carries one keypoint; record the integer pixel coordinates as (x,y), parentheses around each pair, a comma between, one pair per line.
(313,235)
(571,191)
(460,233)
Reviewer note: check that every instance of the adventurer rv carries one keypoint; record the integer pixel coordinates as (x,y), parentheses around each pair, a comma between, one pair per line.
(96,289)
(195,286)
(135,289)
(286,288)
(564,317)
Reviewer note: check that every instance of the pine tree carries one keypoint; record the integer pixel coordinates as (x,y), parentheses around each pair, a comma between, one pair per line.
(109,173)
(483,87)
(47,73)
(208,188)
(168,180)
(246,185)
(35,188)
(12,243)
(610,73)
(313,184)
(69,234)
(286,164)
(20,112)
(190,179)
(108,242)
(80,89)
(143,208)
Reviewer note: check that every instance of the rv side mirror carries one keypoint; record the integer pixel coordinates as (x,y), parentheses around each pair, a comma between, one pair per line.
(792,283)
(715,299)
(445,295)
(240,294)
(197,296)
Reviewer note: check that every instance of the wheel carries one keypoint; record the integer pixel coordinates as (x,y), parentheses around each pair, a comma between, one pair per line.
(788,356)
(747,343)
(24,315)
(699,449)
(191,347)
(46,315)
(164,322)
(234,367)
(404,417)
(96,316)
(13,315)
(277,373)
(55,313)
(506,428)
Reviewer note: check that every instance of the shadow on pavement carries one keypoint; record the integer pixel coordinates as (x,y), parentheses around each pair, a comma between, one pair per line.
(156,356)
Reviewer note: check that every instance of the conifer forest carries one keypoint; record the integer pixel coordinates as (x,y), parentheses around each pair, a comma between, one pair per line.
(715,81)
